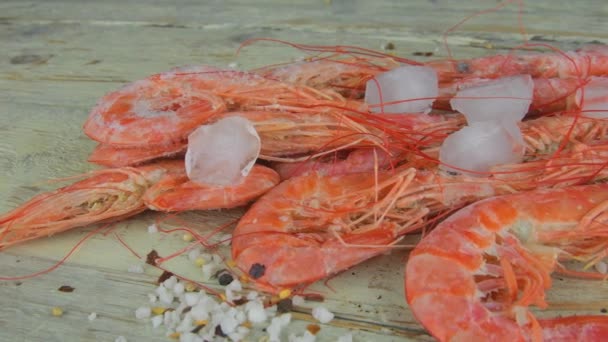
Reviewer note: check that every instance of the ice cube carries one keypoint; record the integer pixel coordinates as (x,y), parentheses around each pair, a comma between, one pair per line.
(595,100)
(506,98)
(222,153)
(480,146)
(403,84)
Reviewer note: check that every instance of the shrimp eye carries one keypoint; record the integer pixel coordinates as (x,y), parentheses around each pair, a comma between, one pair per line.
(257,271)
(463,67)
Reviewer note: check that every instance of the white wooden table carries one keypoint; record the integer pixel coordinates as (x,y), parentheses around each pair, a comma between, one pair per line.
(58,57)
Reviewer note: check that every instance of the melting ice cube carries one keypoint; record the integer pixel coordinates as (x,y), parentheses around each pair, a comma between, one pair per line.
(480,146)
(404,84)
(222,153)
(506,98)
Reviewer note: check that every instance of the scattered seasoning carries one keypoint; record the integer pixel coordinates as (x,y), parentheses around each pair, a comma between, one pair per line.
(424,54)
(198,328)
(603,310)
(158,310)
(379,297)
(57,311)
(240,301)
(313,328)
(219,332)
(66,288)
(166,275)
(284,293)
(315,297)
(257,271)
(285,305)
(151,257)
(224,277)
(18,283)
(389,46)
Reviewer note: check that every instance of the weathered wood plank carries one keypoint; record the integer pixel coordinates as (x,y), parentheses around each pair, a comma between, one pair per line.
(59,56)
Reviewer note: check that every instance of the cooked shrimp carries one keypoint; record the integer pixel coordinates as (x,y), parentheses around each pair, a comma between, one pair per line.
(164,108)
(474,277)
(114,194)
(330,223)
(573,64)
(345,76)
(110,194)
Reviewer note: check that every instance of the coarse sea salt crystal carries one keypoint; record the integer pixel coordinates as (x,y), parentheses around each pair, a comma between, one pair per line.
(120,339)
(170,282)
(592,98)
(194,253)
(322,315)
(143,312)
(480,146)
(152,229)
(276,325)
(255,311)
(135,269)
(92,316)
(415,87)
(222,153)
(503,99)
(298,300)
(179,289)
(157,321)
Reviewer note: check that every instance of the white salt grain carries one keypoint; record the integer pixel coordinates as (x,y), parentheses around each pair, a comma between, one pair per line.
(135,269)
(276,325)
(152,229)
(193,254)
(120,339)
(170,283)
(179,289)
(322,315)
(298,300)
(157,321)
(143,312)
(191,298)
(222,153)
(152,298)
(92,316)
(255,312)
(415,87)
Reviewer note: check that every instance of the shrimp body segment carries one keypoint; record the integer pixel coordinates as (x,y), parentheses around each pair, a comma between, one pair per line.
(159,110)
(288,232)
(110,194)
(114,194)
(474,276)
(178,193)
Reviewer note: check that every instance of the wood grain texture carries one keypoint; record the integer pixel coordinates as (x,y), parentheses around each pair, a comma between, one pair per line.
(58,57)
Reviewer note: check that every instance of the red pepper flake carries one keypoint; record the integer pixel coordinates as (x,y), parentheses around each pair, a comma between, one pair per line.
(315,297)
(313,328)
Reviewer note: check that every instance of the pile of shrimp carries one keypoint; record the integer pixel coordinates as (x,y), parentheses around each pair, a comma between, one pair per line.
(337,185)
